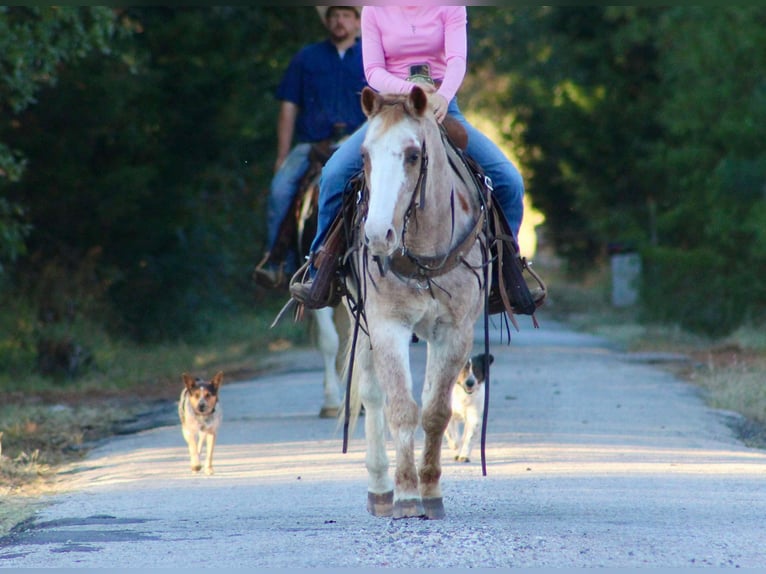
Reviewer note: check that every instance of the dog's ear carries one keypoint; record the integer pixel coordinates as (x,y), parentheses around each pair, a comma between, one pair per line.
(479,367)
(188,381)
(217,381)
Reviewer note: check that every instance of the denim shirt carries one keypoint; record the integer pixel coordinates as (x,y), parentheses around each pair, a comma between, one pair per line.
(326,88)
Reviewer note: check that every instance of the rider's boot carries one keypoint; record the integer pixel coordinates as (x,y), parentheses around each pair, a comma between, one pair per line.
(269,274)
(317,284)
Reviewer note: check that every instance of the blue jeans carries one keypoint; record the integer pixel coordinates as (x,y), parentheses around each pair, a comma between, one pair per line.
(347,160)
(284,186)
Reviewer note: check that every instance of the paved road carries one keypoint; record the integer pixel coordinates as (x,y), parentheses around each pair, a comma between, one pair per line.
(594,459)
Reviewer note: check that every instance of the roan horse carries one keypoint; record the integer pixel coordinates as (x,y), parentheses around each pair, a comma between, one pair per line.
(419,261)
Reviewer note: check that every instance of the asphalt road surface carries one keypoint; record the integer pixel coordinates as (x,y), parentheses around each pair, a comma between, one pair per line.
(594,458)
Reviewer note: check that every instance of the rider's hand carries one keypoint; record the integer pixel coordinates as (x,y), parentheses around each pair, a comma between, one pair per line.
(439,106)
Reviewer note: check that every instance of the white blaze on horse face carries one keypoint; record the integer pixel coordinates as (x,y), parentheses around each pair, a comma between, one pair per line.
(387,181)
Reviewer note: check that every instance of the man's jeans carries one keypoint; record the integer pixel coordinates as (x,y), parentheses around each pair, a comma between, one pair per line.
(347,161)
(284,186)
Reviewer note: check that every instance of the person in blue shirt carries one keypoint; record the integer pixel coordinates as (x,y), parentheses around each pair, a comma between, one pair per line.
(319,95)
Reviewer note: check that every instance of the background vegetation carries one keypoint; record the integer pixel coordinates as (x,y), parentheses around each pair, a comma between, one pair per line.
(643,128)
(136,145)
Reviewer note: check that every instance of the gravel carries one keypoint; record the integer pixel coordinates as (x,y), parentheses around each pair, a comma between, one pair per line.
(593,459)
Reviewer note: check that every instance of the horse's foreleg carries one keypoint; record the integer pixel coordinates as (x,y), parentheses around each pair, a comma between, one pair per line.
(443,366)
(380,489)
(327,342)
(392,367)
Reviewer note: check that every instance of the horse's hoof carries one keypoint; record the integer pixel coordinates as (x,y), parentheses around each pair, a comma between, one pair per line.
(434,508)
(462,459)
(380,504)
(196,467)
(329,412)
(410,508)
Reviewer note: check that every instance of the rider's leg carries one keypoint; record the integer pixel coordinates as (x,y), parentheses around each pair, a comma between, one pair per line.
(342,166)
(508,192)
(508,185)
(283,187)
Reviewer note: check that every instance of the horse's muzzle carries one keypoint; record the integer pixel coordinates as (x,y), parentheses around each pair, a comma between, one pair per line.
(381,243)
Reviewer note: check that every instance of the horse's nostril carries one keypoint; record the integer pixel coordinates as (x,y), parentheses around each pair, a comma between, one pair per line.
(390,236)
(366,240)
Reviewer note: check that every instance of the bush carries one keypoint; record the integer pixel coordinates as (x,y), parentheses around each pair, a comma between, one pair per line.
(694,288)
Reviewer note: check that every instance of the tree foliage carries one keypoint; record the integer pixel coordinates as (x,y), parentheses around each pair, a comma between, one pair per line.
(138,143)
(152,161)
(34,42)
(644,127)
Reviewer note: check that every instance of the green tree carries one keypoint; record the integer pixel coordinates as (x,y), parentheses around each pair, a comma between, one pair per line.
(152,161)
(581,87)
(643,126)
(34,43)
(711,205)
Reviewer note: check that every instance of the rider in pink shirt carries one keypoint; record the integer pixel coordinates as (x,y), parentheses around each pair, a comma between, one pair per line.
(397,38)
(398,41)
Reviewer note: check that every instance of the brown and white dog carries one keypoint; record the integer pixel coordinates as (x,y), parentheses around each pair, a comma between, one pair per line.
(467,407)
(201,414)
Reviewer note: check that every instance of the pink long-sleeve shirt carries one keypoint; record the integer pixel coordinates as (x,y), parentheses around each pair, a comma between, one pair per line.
(397,37)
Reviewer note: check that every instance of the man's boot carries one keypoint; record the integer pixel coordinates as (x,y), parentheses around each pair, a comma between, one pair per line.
(270,275)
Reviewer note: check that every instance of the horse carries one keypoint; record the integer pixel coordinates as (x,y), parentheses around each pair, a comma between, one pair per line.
(421,267)
(296,233)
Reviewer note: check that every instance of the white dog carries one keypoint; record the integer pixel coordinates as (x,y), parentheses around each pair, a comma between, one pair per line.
(467,407)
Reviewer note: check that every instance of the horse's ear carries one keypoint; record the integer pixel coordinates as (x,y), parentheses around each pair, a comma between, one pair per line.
(370,101)
(418,100)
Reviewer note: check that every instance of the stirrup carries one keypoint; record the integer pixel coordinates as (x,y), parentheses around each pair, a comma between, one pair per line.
(540,292)
(269,278)
(310,293)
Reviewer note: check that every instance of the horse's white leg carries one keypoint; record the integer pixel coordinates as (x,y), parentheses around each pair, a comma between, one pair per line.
(445,359)
(380,488)
(391,359)
(327,342)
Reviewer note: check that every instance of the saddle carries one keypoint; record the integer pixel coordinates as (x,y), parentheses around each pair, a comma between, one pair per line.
(509,292)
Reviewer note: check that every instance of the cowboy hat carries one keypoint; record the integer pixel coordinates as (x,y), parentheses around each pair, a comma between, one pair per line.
(324,9)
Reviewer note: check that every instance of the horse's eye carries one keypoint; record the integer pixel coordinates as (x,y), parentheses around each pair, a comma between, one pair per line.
(413,157)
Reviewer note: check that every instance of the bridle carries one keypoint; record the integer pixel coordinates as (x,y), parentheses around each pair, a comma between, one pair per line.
(407,265)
